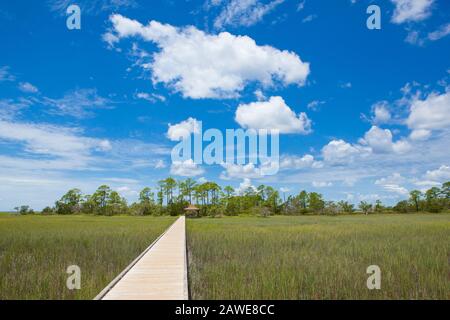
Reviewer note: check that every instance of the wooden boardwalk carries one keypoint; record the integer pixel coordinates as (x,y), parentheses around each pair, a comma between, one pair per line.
(159,273)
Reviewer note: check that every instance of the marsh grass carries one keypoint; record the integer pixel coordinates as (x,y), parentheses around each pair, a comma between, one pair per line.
(319,257)
(35,252)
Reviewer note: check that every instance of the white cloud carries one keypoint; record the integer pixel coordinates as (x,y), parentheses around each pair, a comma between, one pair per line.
(202,180)
(414,37)
(309,18)
(150,97)
(273,114)
(187,168)
(314,105)
(244,186)
(183,129)
(441,175)
(411,10)
(321,184)
(301,5)
(340,152)
(233,171)
(381,113)
(294,162)
(27,87)
(160,164)
(396,189)
(426,184)
(393,183)
(45,148)
(127,191)
(432,113)
(244,12)
(9,108)
(346,85)
(50,140)
(77,103)
(395,178)
(420,134)
(380,141)
(260,95)
(201,65)
(91,7)
(5,75)
(443,31)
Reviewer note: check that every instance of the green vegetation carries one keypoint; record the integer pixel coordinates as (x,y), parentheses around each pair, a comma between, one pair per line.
(319,257)
(292,249)
(173,196)
(35,252)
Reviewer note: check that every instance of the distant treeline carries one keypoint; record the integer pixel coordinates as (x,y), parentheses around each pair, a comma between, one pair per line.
(171,197)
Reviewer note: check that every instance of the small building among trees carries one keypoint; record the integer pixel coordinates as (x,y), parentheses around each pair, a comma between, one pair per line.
(191,211)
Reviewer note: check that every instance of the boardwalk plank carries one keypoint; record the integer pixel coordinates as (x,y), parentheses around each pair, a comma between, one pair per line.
(160,274)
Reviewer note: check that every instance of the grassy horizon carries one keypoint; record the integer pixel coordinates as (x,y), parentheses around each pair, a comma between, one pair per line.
(319,257)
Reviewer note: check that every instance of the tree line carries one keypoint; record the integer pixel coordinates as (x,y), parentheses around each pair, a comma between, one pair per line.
(171,197)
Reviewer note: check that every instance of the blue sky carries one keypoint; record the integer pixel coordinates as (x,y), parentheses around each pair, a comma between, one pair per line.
(364,114)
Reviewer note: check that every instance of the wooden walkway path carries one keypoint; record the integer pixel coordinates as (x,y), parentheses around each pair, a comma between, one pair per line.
(159,273)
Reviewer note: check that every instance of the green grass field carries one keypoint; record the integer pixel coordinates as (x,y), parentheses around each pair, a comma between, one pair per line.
(307,257)
(35,252)
(319,257)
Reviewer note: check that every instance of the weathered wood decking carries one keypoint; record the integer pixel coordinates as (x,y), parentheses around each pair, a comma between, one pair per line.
(159,273)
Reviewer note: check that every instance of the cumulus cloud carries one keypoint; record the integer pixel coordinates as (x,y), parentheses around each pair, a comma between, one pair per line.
(244,12)
(187,168)
(273,114)
(233,171)
(340,152)
(380,141)
(249,170)
(295,162)
(381,113)
(183,129)
(442,174)
(411,10)
(245,185)
(432,113)
(201,65)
